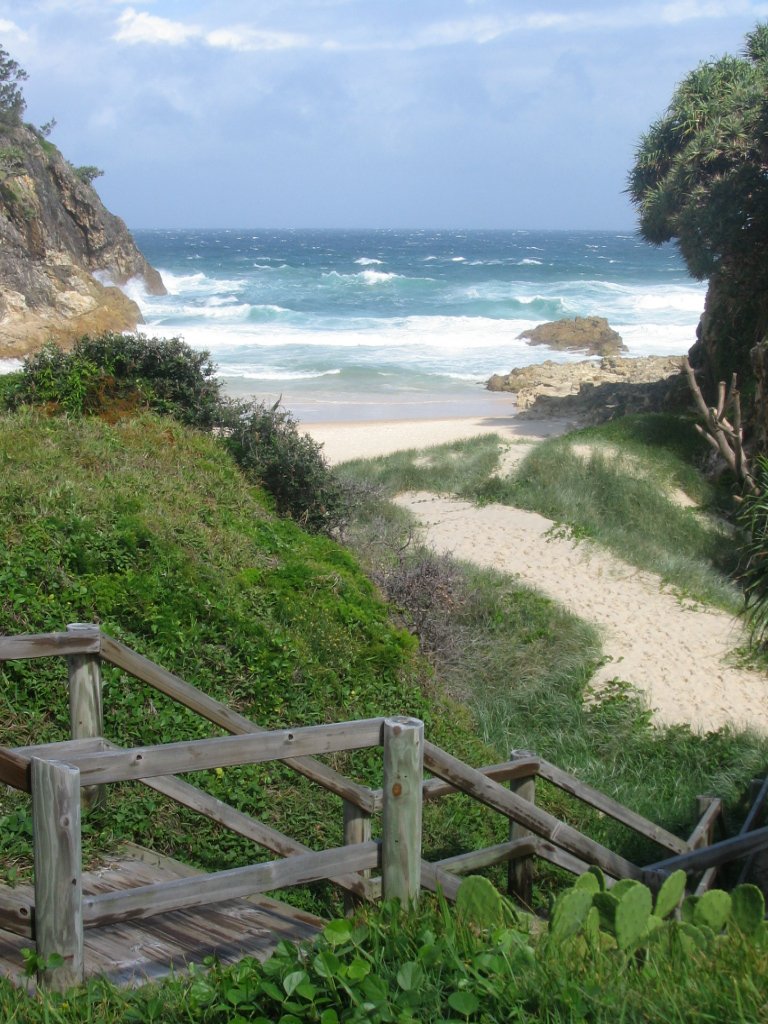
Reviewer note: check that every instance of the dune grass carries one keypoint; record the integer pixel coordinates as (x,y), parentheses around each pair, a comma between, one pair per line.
(521,663)
(148,527)
(617,489)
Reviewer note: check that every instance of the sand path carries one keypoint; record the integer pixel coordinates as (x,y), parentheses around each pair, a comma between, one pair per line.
(674,651)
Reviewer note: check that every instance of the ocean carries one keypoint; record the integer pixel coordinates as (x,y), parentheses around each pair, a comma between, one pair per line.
(403,324)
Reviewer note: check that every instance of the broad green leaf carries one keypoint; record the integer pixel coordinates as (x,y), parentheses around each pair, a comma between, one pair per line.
(463,1002)
(669,895)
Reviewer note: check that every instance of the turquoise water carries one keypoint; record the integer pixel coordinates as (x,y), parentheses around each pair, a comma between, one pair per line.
(379,324)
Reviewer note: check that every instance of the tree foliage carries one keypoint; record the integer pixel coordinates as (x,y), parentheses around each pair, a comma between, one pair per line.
(88,173)
(701,171)
(700,177)
(12,103)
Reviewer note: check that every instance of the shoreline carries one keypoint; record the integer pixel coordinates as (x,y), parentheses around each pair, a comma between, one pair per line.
(343,440)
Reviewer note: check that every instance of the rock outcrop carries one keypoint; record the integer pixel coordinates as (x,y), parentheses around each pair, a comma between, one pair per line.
(62,253)
(592,392)
(591,335)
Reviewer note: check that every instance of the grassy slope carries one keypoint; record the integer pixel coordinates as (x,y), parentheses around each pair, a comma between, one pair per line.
(151,530)
(148,528)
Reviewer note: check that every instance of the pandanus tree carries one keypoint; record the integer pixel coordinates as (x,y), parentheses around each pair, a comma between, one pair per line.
(700,178)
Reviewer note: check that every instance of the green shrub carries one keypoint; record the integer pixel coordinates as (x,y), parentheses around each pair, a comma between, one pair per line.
(753,569)
(434,966)
(117,375)
(266,444)
(112,374)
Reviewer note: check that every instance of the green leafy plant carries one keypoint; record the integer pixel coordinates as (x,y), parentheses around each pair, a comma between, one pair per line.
(753,570)
(267,444)
(627,917)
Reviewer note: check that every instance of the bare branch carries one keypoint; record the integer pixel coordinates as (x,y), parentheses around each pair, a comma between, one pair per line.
(725,437)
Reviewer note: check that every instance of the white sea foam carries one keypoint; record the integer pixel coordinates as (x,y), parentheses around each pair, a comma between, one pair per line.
(197,284)
(366,261)
(376,276)
(249,372)
(529,261)
(10,365)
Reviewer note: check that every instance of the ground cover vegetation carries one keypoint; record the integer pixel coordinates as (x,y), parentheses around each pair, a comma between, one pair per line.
(612,484)
(152,530)
(604,957)
(215,587)
(115,375)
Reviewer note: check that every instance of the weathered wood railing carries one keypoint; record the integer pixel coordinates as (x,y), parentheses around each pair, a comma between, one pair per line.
(66,775)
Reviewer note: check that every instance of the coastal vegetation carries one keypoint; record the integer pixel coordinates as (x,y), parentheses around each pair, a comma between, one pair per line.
(612,484)
(699,177)
(483,962)
(205,533)
(110,511)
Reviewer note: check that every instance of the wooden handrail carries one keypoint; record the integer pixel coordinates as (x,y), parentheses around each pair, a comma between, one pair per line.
(601,802)
(46,645)
(137,763)
(14,770)
(702,832)
(546,825)
(712,856)
(244,825)
(181,893)
(173,686)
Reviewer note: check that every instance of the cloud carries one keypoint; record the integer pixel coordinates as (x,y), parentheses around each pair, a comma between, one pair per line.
(10,28)
(243,38)
(136,27)
(482,30)
(695,10)
(140,27)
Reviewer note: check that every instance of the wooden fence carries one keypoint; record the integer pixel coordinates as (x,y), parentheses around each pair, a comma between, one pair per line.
(66,776)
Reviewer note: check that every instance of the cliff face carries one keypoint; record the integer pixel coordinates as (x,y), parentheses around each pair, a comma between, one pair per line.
(55,235)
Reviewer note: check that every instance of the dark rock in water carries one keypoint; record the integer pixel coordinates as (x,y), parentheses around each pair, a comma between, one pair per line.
(591,335)
(62,253)
(594,391)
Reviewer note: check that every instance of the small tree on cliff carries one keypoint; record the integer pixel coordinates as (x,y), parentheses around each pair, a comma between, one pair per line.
(12,103)
(701,178)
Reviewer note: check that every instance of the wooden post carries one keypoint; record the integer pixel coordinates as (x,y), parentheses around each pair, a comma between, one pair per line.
(58,884)
(401,825)
(357,829)
(86,716)
(707,879)
(520,870)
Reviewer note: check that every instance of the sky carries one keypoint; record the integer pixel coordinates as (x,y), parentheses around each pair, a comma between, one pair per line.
(362,113)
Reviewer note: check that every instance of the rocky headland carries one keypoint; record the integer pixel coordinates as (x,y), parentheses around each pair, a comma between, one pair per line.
(592,391)
(62,253)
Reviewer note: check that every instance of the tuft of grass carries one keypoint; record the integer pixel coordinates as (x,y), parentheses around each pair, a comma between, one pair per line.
(455,468)
(618,495)
(607,497)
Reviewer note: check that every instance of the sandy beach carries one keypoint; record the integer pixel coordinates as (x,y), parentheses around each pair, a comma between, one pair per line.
(677,653)
(344,441)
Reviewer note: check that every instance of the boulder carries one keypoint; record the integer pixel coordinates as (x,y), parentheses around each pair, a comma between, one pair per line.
(591,335)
